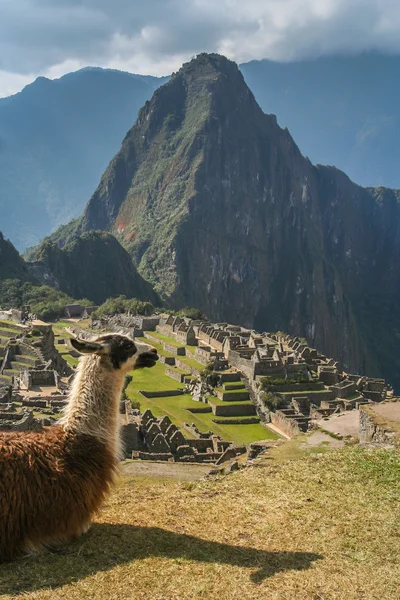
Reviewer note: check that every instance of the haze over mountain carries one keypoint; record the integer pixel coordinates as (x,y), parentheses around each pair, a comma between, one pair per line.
(56,138)
(219,210)
(341,110)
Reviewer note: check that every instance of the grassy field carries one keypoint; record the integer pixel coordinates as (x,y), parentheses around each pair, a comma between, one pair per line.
(324,527)
(175,407)
(165,338)
(156,345)
(154,379)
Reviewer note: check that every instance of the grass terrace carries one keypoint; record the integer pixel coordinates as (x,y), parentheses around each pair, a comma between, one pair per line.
(157,346)
(176,408)
(165,338)
(323,527)
(191,362)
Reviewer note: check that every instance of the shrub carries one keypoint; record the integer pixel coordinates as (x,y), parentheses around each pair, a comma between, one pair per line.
(122,304)
(268,381)
(272,401)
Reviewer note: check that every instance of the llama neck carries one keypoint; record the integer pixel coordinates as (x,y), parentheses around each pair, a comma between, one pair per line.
(93,404)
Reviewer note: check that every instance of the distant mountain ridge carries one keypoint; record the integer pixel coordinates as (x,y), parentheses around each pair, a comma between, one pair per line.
(341,110)
(220,210)
(56,138)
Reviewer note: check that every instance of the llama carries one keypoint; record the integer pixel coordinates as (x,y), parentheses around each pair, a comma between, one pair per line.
(53,481)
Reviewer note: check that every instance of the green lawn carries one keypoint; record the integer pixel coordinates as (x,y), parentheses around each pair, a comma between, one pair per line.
(158,347)
(310,392)
(229,391)
(219,402)
(152,380)
(71,360)
(188,360)
(8,332)
(191,362)
(192,350)
(175,406)
(165,338)
(231,387)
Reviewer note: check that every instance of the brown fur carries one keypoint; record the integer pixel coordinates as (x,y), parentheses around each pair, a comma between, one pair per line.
(51,483)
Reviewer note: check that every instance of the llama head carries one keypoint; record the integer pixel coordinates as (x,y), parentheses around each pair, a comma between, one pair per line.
(119,351)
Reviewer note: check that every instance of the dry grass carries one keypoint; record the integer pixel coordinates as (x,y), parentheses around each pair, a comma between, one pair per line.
(318,528)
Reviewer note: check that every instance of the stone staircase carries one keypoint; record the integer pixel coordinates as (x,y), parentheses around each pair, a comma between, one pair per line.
(26,357)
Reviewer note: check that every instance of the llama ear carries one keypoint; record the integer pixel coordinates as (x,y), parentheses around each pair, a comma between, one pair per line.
(88,347)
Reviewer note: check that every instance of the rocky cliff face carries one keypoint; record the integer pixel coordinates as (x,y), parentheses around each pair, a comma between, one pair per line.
(93,266)
(219,209)
(12,265)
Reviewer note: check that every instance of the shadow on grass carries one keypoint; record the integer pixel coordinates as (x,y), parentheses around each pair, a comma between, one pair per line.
(109,545)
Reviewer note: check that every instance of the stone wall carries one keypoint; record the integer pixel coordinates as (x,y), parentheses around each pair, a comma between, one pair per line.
(244,365)
(228,396)
(174,374)
(294,387)
(187,368)
(288,426)
(5,395)
(32,377)
(374,429)
(177,350)
(232,410)
(161,394)
(167,360)
(18,422)
(131,438)
(12,315)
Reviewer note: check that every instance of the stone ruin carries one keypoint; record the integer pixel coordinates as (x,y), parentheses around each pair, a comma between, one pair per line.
(17,411)
(308,385)
(146,437)
(126,324)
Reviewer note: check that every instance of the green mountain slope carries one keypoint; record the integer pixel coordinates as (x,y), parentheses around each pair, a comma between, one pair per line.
(92,266)
(219,210)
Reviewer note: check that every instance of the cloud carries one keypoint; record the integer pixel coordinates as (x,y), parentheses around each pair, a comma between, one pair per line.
(156,36)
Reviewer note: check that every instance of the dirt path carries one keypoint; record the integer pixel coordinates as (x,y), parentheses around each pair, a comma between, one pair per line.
(343,424)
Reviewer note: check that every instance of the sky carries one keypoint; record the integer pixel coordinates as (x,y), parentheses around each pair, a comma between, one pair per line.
(54,37)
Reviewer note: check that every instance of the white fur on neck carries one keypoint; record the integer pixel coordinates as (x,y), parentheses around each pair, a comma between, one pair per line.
(93,403)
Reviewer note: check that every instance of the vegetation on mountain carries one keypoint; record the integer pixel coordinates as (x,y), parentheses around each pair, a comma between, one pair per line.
(45,302)
(93,265)
(190,312)
(12,265)
(219,209)
(122,304)
(59,135)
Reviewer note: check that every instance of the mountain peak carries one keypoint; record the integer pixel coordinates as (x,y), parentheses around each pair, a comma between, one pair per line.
(210,63)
